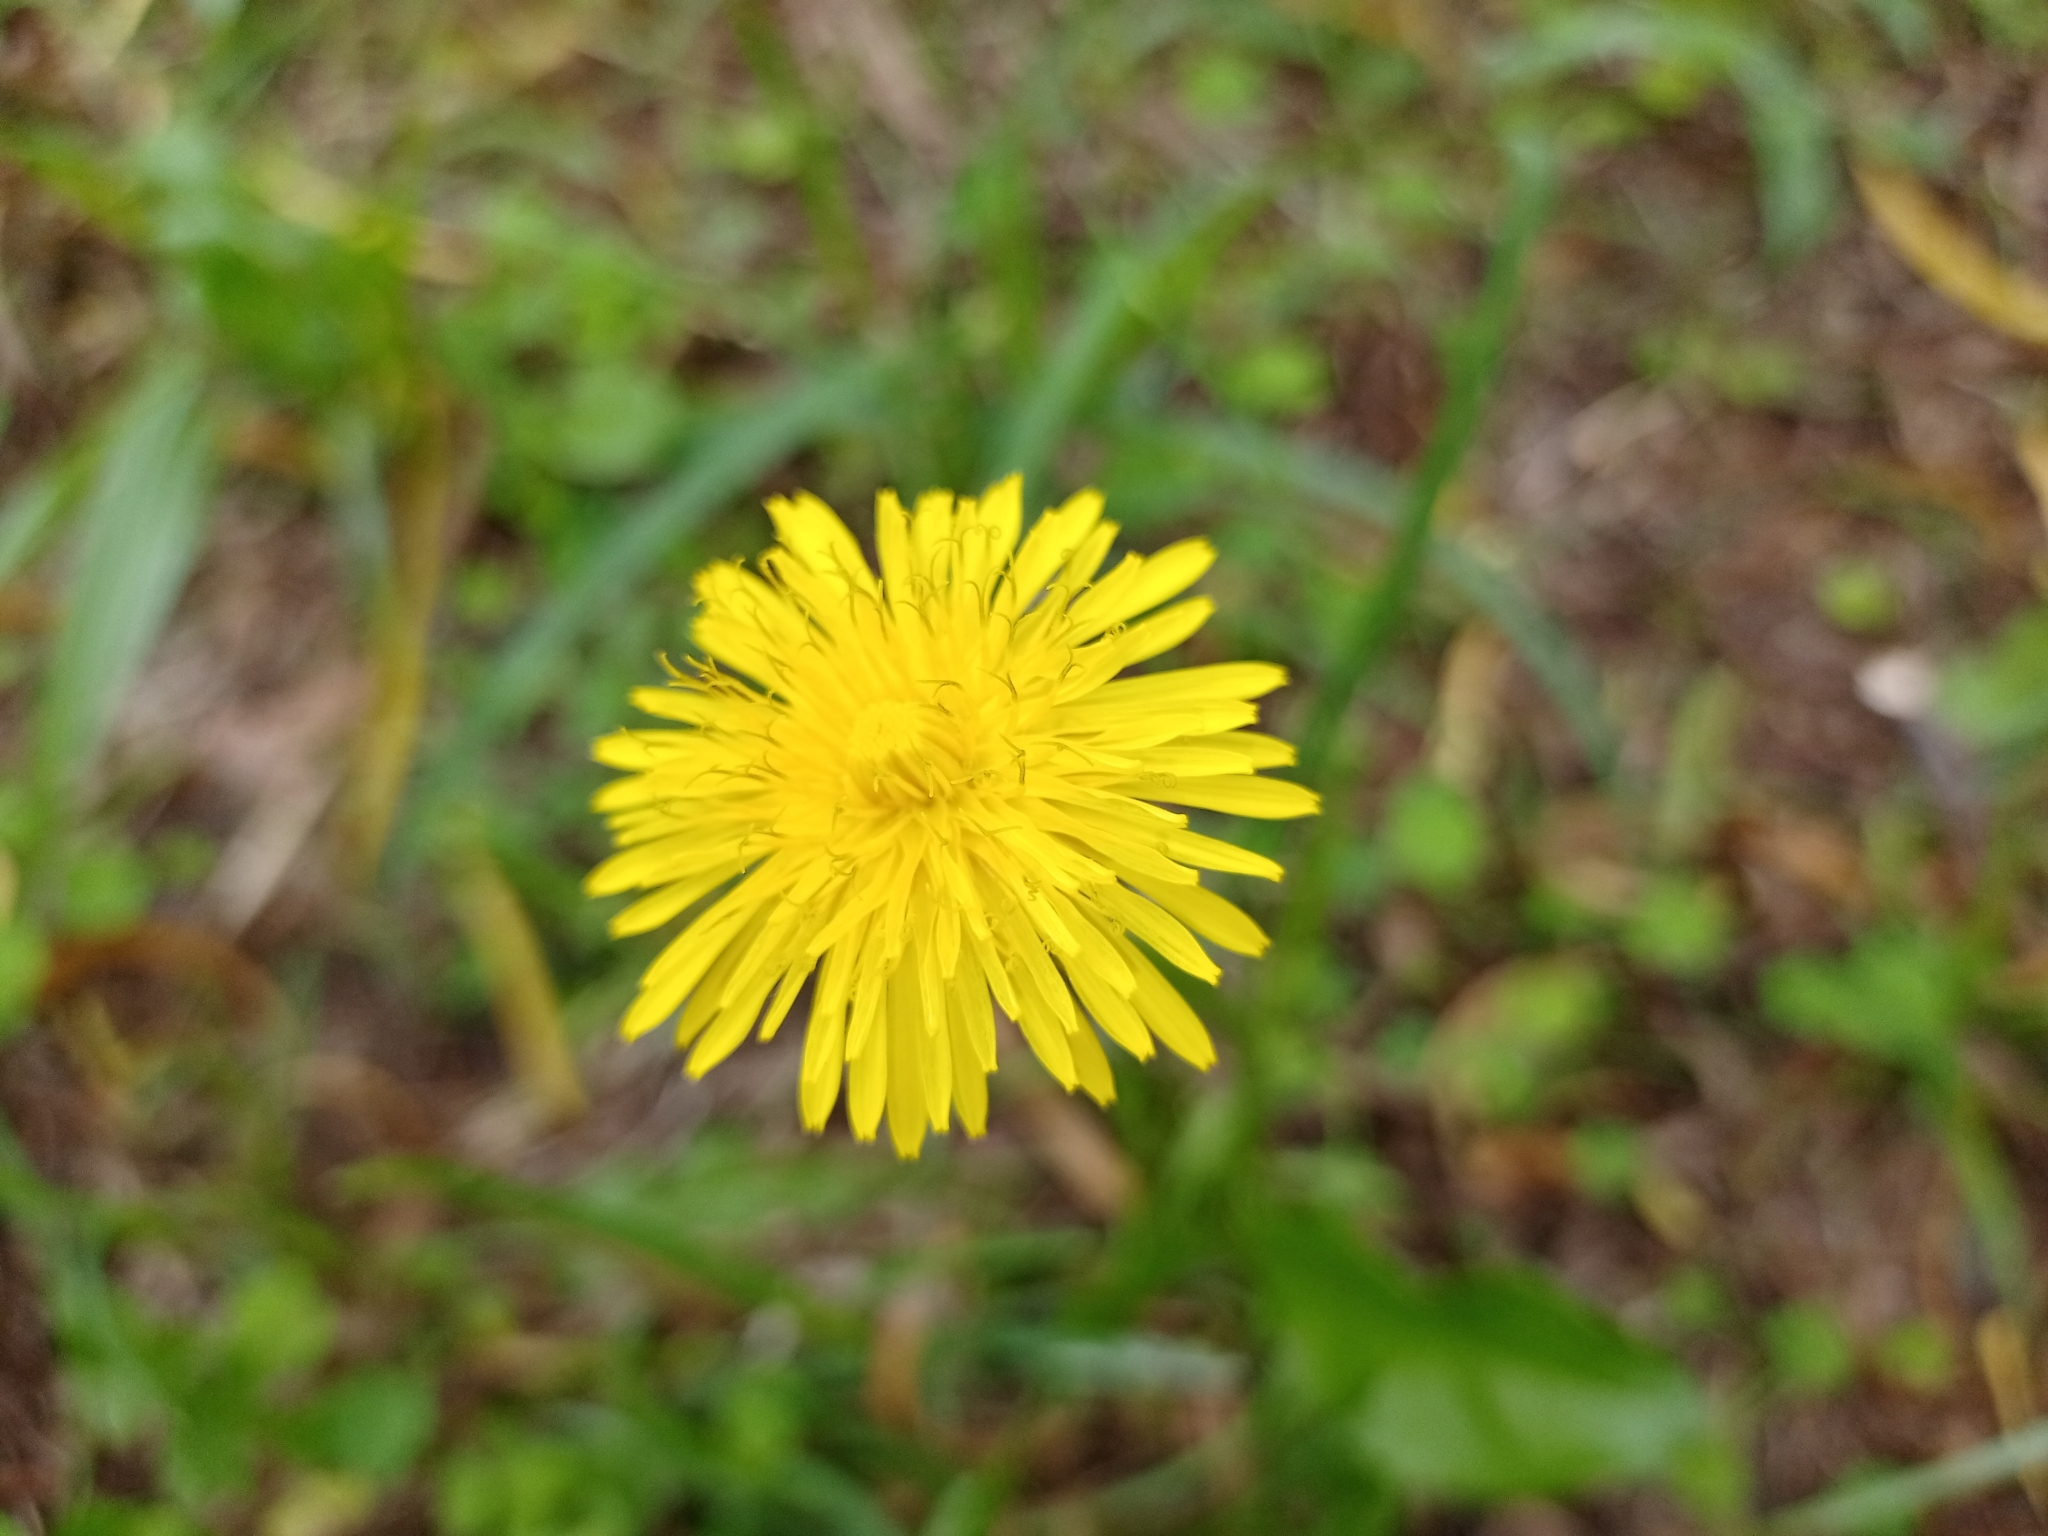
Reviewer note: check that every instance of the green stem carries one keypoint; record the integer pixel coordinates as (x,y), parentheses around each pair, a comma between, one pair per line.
(821,172)
(1893,1498)
(1474,352)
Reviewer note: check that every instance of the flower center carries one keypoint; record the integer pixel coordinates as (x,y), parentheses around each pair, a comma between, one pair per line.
(905,756)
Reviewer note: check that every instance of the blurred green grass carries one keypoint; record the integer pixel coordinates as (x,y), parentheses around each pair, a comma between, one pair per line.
(514,314)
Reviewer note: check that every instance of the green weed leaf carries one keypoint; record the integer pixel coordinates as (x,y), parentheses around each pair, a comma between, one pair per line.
(139,529)
(1898,996)
(1435,836)
(1491,1385)
(372,1423)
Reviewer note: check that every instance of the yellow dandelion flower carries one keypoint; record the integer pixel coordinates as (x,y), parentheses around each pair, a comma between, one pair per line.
(931,790)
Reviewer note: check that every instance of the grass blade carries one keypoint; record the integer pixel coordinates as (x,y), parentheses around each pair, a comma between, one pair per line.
(1891,1500)
(140,528)
(1949,258)
(1122,287)
(1474,356)
(422,502)
(36,505)
(1361,488)
(523,996)
(740,1279)
(738,450)
(1791,133)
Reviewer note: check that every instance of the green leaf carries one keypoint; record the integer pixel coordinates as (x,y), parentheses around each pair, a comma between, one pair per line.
(1124,287)
(608,1211)
(604,1473)
(280,1321)
(1606,1158)
(1282,377)
(35,505)
(1790,131)
(373,1423)
(1998,698)
(1681,926)
(105,889)
(1266,460)
(1858,595)
(1870,1502)
(24,961)
(1907,24)
(967,1506)
(735,452)
(1810,1355)
(140,528)
(1491,1385)
(1435,836)
(1699,764)
(97,1516)
(1899,996)
(2021,25)
(1918,1354)
(1507,1037)
(1792,136)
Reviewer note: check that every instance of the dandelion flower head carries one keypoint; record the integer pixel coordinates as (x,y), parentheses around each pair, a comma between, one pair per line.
(928,794)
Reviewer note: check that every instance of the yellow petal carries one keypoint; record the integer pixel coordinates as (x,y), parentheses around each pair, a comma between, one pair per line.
(1226,680)
(812,531)
(1235,795)
(824,1057)
(867,1087)
(1167,1014)
(1092,1067)
(650,912)
(1212,853)
(1208,914)
(908,1115)
(1141,584)
(1054,540)
(1159,928)
(675,703)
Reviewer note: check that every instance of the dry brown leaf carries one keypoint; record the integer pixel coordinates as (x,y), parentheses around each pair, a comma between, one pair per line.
(883,50)
(1466,729)
(893,1392)
(367,1094)
(1809,852)
(1415,26)
(319,1504)
(86,1030)
(1501,1168)
(1581,852)
(2009,1373)
(1079,1153)
(432,486)
(1950,259)
(24,610)
(532,1363)
(2030,446)
(1670,1207)
(180,951)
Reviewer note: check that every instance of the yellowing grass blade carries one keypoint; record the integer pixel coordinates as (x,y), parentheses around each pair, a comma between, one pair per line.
(2031,448)
(2009,1372)
(523,998)
(1950,259)
(424,491)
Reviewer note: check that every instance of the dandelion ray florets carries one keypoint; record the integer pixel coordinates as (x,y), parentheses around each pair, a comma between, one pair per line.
(927,794)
